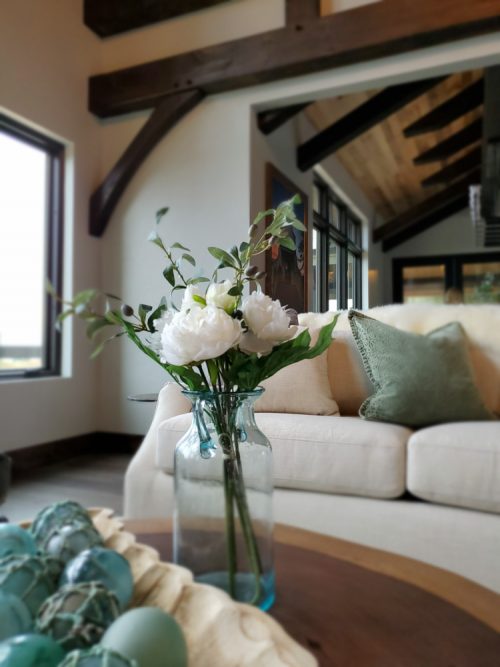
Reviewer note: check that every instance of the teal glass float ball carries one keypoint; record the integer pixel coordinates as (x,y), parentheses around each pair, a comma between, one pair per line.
(30,651)
(98,656)
(57,515)
(15,617)
(15,540)
(66,542)
(149,636)
(30,578)
(77,615)
(104,565)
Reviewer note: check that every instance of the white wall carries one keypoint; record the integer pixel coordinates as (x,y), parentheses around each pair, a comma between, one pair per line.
(45,56)
(453,236)
(201,169)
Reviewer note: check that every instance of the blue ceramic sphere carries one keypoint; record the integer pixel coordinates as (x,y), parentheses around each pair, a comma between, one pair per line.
(15,617)
(30,651)
(30,578)
(66,542)
(104,565)
(57,515)
(15,540)
(98,656)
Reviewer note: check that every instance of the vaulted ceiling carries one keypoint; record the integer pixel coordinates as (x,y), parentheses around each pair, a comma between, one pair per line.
(382,159)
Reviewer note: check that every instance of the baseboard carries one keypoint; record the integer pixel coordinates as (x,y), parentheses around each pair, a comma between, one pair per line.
(29,459)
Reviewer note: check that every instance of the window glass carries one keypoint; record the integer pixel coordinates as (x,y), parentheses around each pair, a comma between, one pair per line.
(333,255)
(351,277)
(23,205)
(316,264)
(481,282)
(30,245)
(316,199)
(333,214)
(424,284)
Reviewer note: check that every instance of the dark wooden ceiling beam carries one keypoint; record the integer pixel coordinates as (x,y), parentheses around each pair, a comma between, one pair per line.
(297,11)
(466,100)
(111,17)
(340,39)
(364,117)
(432,218)
(268,121)
(454,170)
(429,208)
(457,142)
(163,118)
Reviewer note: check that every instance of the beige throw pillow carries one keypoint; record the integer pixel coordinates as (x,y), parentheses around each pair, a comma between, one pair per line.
(302,388)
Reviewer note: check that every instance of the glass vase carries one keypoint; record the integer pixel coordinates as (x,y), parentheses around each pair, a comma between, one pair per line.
(223,524)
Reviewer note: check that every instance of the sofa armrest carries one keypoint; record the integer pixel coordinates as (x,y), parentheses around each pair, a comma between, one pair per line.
(142,468)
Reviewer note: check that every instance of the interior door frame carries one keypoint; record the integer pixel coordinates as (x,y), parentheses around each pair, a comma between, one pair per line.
(453,268)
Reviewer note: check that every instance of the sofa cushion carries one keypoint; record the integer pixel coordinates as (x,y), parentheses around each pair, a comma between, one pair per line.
(418,380)
(329,454)
(301,388)
(457,464)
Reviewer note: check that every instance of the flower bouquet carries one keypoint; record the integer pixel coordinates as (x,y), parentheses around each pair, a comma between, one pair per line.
(218,342)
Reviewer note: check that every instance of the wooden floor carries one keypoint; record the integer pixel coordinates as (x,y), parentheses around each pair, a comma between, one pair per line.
(90,480)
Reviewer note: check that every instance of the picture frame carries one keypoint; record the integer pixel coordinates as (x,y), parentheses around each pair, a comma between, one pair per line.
(287,270)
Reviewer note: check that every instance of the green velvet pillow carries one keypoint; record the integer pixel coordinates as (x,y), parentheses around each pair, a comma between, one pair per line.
(418,380)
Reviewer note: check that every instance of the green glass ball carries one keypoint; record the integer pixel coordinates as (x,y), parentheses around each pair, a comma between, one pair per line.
(78,614)
(66,542)
(31,578)
(149,636)
(30,651)
(56,515)
(104,565)
(98,656)
(15,617)
(15,540)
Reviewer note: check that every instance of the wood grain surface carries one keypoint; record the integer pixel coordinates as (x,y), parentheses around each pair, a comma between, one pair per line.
(354,606)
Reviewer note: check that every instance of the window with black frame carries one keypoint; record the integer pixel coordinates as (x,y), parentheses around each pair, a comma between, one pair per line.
(336,252)
(31,225)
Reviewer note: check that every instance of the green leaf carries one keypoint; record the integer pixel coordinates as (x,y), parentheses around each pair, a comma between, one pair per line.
(235,253)
(96,325)
(263,214)
(142,311)
(213,370)
(196,281)
(298,225)
(179,246)
(223,256)
(244,247)
(237,290)
(287,242)
(169,274)
(85,296)
(154,238)
(199,299)
(189,258)
(160,213)
(155,315)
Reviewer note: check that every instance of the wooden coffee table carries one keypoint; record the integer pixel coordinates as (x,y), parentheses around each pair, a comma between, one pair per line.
(353,606)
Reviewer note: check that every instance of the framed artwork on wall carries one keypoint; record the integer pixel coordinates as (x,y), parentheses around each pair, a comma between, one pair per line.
(286,270)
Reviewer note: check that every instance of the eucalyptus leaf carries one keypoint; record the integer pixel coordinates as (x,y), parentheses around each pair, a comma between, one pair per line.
(189,258)
(179,246)
(169,274)
(223,256)
(160,213)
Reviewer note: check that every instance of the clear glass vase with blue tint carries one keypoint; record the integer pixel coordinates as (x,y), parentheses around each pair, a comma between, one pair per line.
(223,521)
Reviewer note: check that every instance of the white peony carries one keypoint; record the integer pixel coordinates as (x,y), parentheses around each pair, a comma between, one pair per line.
(197,335)
(267,321)
(154,341)
(217,295)
(187,300)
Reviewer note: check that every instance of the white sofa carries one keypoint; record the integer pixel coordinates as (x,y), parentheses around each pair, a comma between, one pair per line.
(433,494)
